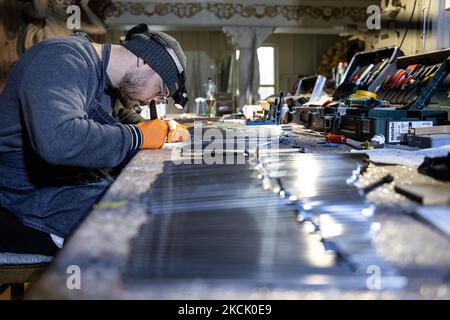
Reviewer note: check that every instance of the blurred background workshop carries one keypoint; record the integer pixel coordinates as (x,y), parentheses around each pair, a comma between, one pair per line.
(305,150)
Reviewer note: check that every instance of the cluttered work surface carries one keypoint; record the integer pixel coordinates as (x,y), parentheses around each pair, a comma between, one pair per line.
(300,223)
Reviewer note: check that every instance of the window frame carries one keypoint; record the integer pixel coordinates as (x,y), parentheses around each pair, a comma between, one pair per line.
(275,69)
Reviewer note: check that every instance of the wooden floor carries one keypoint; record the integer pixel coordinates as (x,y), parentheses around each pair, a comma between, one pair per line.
(6,295)
(19,274)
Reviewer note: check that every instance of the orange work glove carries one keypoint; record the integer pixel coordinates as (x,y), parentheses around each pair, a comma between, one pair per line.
(148,134)
(154,133)
(177,132)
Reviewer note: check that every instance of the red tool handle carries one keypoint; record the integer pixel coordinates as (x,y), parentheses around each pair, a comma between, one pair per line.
(335,138)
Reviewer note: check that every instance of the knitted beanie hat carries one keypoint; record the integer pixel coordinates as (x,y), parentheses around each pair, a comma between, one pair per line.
(163,54)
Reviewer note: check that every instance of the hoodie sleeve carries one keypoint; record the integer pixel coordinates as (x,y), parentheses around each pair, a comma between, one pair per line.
(53,96)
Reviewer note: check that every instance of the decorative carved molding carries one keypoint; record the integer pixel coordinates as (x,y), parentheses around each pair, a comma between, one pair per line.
(181,10)
(225,11)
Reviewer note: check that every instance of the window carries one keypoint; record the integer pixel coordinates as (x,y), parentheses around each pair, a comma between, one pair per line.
(266,57)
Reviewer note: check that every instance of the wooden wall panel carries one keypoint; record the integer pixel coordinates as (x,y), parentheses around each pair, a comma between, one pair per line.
(298,53)
(214,43)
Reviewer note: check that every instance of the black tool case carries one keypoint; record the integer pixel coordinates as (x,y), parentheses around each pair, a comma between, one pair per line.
(304,86)
(404,100)
(365,71)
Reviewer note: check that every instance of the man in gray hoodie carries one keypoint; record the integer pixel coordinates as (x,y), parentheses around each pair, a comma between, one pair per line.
(61,137)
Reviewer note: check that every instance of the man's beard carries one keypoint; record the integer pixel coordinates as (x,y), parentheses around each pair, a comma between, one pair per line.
(129,88)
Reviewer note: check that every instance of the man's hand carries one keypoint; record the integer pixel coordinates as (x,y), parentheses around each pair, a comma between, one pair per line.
(177,132)
(154,133)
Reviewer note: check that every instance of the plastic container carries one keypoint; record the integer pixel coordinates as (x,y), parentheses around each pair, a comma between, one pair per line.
(201,107)
(284,112)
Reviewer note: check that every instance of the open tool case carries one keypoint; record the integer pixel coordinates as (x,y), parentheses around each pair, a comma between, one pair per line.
(419,82)
(366,71)
(304,87)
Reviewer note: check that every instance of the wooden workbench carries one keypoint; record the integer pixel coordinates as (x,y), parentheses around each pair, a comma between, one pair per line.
(100,247)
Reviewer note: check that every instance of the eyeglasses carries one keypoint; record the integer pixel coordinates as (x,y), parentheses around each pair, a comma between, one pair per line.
(162,95)
(160,99)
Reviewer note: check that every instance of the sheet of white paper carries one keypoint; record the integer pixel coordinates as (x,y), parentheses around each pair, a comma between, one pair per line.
(404,157)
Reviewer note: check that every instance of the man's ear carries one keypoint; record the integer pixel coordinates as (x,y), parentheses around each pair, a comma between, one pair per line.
(141,62)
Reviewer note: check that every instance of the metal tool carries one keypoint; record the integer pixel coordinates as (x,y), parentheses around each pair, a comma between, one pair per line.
(377,184)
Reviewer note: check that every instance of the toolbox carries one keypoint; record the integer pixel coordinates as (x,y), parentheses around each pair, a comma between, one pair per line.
(420,81)
(304,86)
(366,71)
